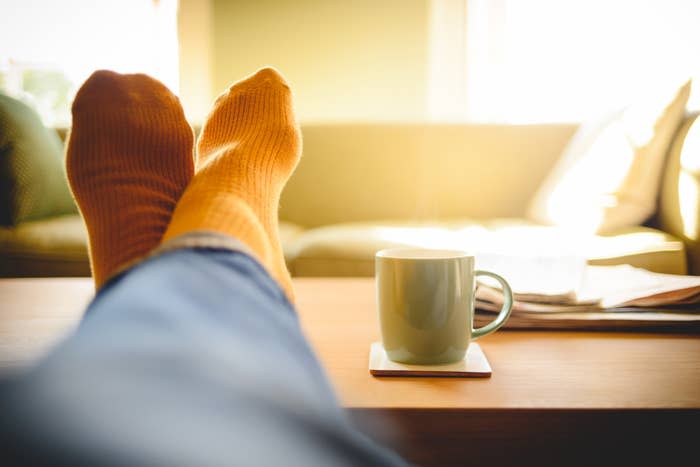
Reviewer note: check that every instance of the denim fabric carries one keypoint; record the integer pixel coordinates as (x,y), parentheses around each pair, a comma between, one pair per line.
(192,358)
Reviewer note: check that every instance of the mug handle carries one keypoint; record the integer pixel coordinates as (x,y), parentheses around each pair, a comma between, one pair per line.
(505,310)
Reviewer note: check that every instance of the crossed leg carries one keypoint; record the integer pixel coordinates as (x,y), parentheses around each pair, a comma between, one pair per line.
(191,352)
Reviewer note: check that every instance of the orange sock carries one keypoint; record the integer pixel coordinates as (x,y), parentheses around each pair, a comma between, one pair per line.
(249,146)
(129,160)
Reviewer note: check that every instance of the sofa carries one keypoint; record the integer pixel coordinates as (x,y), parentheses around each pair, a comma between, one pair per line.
(361,187)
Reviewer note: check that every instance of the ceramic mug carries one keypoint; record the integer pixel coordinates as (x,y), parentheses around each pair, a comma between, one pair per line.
(425,300)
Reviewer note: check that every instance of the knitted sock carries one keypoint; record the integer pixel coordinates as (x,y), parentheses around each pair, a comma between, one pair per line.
(130,157)
(249,147)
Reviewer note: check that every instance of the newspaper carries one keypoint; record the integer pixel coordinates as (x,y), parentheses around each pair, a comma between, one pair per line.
(557,285)
(541,279)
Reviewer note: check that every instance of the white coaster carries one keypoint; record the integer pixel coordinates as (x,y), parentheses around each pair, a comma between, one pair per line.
(474,365)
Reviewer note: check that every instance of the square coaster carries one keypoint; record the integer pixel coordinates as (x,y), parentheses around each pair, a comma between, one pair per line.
(474,365)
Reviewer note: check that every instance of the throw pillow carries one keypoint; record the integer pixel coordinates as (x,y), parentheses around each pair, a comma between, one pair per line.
(608,176)
(33,183)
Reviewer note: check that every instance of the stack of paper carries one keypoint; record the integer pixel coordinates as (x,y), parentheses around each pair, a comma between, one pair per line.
(561,292)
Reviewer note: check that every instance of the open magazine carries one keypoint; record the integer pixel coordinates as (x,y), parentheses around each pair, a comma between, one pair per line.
(557,289)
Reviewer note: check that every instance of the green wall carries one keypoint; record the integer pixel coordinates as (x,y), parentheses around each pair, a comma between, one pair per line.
(346,60)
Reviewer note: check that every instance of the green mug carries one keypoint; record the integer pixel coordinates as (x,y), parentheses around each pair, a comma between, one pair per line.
(425,300)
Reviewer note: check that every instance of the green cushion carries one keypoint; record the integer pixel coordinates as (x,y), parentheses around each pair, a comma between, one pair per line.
(32,175)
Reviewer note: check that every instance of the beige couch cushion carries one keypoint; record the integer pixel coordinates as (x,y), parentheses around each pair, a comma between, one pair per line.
(348,249)
(609,175)
(58,247)
(353,172)
(48,247)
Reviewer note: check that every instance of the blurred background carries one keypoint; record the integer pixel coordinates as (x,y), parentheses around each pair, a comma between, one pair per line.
(496,61)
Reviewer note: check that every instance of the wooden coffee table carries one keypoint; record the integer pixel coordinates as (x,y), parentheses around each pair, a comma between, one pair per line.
(555,398)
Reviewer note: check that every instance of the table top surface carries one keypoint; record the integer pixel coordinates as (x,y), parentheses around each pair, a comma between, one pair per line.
(531,370)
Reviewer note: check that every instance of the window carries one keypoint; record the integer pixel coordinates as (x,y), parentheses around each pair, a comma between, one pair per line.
(49,48)
(555,60)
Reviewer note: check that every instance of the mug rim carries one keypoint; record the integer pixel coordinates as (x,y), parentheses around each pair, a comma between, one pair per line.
(409,253)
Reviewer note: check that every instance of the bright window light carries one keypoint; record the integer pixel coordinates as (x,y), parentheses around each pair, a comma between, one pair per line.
(50,47)
(557,60)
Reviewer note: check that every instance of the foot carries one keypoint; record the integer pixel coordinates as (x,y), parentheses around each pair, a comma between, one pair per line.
(129,160)
(249,147)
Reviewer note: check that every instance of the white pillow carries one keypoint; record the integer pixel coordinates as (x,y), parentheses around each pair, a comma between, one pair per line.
(608,176)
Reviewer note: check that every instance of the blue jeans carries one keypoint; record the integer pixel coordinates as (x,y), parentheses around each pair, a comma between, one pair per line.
(192,358)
